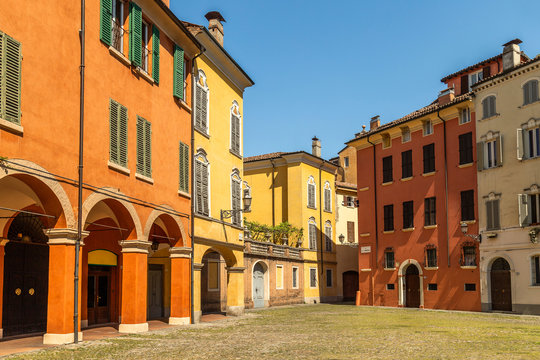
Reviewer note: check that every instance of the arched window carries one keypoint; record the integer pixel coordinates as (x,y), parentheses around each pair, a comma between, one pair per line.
(328,235)
(530,92)
(327,197)
(312,233)
(489,107)
(201,103)
(235,128)
(236,197)
(311,193)
(202,185)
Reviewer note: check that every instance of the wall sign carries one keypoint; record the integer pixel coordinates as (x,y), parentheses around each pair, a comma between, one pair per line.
(365,249)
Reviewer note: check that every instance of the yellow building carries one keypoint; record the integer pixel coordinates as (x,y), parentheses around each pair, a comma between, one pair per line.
(298,188)
(218,263)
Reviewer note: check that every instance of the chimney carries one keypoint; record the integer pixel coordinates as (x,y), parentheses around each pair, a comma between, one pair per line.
(215,26)
(446,96)
(316,147)
(375,122)
(511,54)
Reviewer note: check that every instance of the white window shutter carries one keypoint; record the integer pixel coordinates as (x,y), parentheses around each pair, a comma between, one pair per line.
(499,150)
(519,144)
(523,206)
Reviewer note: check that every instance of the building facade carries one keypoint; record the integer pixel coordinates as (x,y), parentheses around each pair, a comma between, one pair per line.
(507,139)
(135,255)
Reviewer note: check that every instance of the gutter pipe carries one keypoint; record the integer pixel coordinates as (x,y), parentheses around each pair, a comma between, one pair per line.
(320,221)
(376,220)
(446,189)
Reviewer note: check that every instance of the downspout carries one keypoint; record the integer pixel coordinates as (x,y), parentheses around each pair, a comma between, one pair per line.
(273,198)
(375,201)
(320,220)
(192,307)
(80,184)
(446,189)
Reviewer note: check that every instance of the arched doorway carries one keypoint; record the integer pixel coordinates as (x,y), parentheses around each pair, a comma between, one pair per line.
(26,277)
(501,293)
(412,287)
(350,285)
(258,285)
(213,283)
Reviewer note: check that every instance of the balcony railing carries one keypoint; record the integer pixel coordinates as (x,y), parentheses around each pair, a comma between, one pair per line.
(117,36)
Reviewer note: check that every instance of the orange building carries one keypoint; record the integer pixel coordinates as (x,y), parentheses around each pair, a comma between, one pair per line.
(135,254)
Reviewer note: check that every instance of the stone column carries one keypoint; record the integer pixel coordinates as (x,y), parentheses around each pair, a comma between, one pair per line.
(3,242)
(197,309)
(180,285)
(60,302)
(134,286)
(235,290)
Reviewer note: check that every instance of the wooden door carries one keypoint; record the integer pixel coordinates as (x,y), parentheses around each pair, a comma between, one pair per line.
(412,286)
(501,293)
(155,291)
(26,282)
(258,286)
(350,285)
(99,295)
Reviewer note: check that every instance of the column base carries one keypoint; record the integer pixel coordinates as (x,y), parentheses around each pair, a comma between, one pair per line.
(59,339)
(133,328)
(179,320)
(1,333)
(235,310)
(197,316)
(84,323)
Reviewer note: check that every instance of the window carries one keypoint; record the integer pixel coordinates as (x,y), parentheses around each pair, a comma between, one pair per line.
(346,161)
(405,134)
(117,23)
(529,209)
(406,164)
(144,147)
(492,212)
(295,277)
(467,205)
(535,269)
(464,116)
(312,234)
(10,79)
(118,117)
(350,201)
(432,287)
(311,197)
(488,107)
(431,256)
(465,148)
(236,200)
(427,127)
(327,197)
(201,103)
(329,278)
(408,215)
(387,169)
(530,92)
(469,256)
(388,217)
(235,129)
(389,259)
(429,158)
(201,184)
(145,44)
(178,73)
(430,217)
(533,142)
(390,286)
(491,154)
(328,236)
(350,231)
(184,168)
(279,276)
(534,201)
(312,277)
(474,78)
(470,287)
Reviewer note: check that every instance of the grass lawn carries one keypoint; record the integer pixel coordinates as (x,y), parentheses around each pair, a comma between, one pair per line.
(326,332)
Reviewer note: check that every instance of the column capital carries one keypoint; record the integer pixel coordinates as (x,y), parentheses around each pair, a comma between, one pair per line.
(235,269)
(64,236)
(180,252)
(197,267)
(135,246)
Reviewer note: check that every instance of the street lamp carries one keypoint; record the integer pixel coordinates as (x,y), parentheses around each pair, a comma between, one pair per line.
(465,228)
(227,214)
(341,238)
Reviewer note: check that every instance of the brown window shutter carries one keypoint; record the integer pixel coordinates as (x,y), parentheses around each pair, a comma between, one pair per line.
(486,72)
(350,231)
(464,84)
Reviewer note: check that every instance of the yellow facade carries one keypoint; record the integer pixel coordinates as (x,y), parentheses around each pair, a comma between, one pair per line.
(287,201)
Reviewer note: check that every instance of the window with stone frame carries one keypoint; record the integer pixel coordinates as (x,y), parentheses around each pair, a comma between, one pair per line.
(328,236)
(201,103)
(327,197)
(236,197)
(530,92)
(492,214)
(202,169)
(312,234)
(430,211)
(431,256)
(311,193)
(468,254)
(312,277)
(389,259)
(236,121)
(489,106)
(535,270)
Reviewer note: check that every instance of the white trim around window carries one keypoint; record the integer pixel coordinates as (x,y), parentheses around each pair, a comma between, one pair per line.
(313,277)
(279,279)
(294,276)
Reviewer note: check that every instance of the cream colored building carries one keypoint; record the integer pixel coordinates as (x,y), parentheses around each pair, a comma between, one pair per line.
(508,145)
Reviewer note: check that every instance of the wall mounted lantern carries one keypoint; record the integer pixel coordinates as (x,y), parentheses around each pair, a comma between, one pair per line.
(227,214)
(465,228)
(341,238)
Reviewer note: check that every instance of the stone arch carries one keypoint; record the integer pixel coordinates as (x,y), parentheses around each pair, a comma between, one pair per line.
(401,281)
(173,224)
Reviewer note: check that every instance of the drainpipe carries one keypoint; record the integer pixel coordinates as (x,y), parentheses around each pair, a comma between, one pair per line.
(192,308)
(446,190)
(80,184)
(273,199)
(375,201)
(320,220)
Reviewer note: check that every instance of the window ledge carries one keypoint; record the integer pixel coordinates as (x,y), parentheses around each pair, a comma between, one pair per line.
(534,286)
(11,127)
(202,132)
(406,179)
(469,267)
(427,227)
(365,270)
(408,229)
(462,166)
(529,104)
(387,183)
(388,232)
(429,173)
(121,169)
(184,194)
(389,269)
(311,207)
(145,75)
(183,105)
(144,178)
(473,221)
(117,54)
(489,118)
(327,211)
(431,268)
(236,154)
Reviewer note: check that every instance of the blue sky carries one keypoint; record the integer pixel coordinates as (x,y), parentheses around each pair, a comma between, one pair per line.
(325,68)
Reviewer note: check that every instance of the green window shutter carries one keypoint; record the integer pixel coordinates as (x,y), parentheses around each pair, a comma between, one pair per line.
(10,97)
(155,54)
(147,148)
(113,125)
(105,28)
(140,145)
(178,81)
(184,168)
(122,135)
(135,34)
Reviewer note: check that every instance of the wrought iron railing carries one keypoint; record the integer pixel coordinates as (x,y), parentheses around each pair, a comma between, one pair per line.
(117,36)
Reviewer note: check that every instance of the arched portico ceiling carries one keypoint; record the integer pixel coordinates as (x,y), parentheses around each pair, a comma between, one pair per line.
(224,252)
(171,224)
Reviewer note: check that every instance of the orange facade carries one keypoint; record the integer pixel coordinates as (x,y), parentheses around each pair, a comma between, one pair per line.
(124,212)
